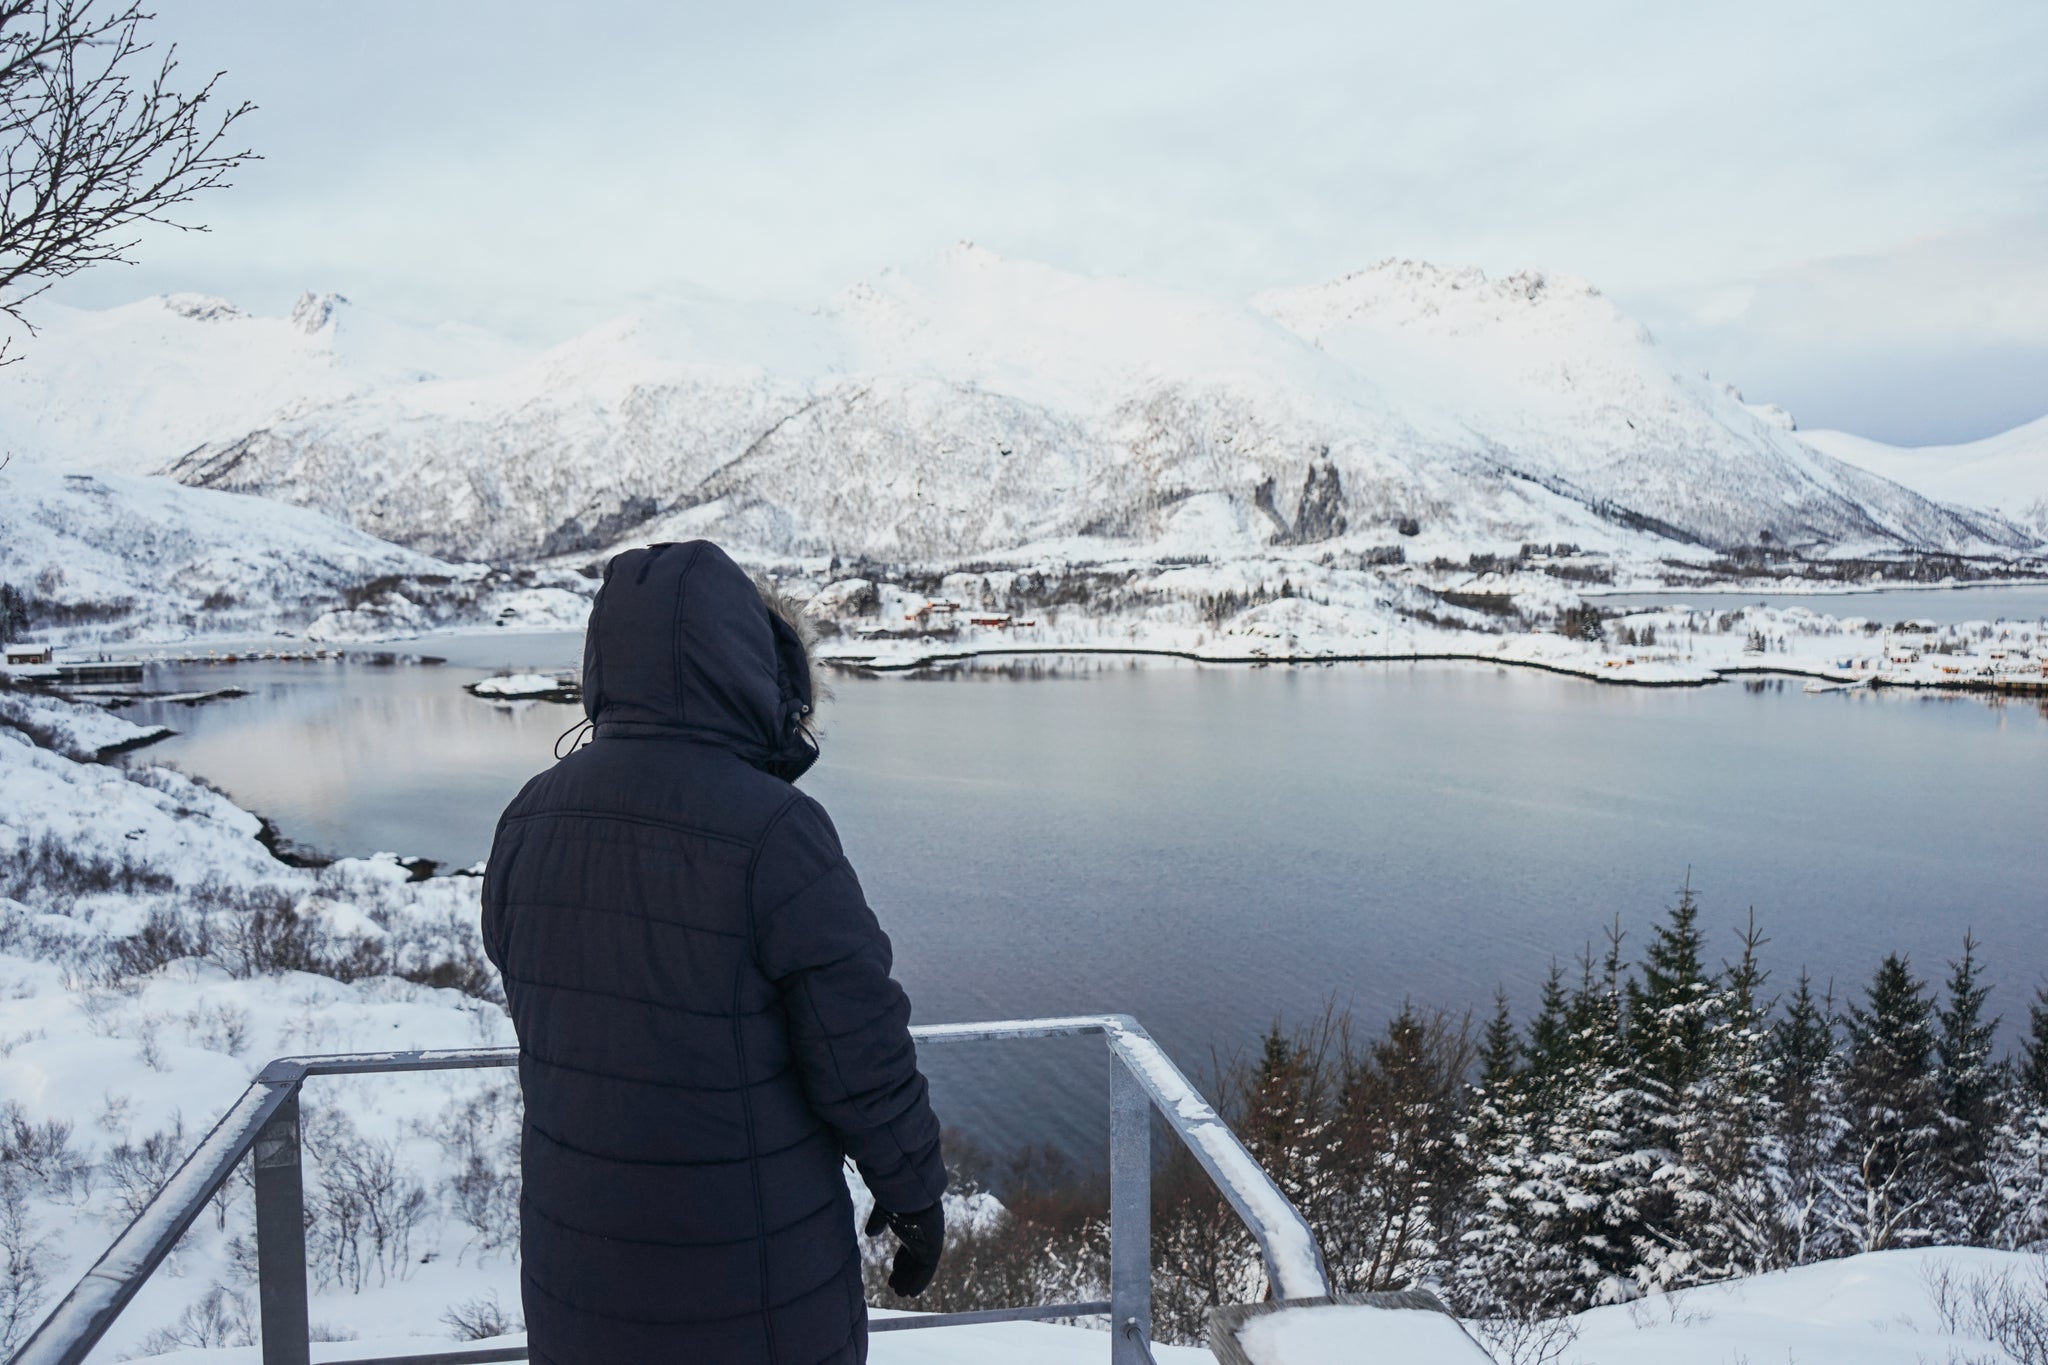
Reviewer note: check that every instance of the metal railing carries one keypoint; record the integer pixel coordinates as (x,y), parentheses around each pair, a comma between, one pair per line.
(265,1122)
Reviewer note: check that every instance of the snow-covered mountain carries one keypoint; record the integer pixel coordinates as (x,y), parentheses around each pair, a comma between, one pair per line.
(2007,473)
(114,556)
(971,406)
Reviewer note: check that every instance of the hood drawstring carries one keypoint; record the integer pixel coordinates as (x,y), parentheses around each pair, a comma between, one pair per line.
(581,732)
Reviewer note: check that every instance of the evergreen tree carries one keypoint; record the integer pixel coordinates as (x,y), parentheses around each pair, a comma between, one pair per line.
(1407,1169)
(14,613)
(1487,1278)
(1281,1117)
(1547,1055)
(1671,1010)
(2019,1154)
(1970,1088)
(1600,1151)
(2033,1067)
(1493,1098)
(1892,1120)
(1500,1051)
(1728,1183)
(1804,1075)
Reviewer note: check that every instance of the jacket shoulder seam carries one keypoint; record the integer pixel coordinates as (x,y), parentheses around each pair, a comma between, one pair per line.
(676,826)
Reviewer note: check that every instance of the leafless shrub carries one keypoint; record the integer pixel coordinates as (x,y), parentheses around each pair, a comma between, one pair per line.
(365,1209)
(223,1028)
(139,1169)
(260,930)
(1526,1341)
(52,876)
(41,1154)
(220,1318)
(481,1138)
(26,1261)
(2005,1307)
(164,937)
(482,1317)
(468,971)
(1050,1244)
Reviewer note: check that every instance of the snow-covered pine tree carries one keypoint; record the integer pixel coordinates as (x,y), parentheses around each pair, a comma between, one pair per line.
(1522,1257)
(1672,1008)
(2019,1153)
(1969,1085)
(1726,1133)
(2032,1072)
(1805,1081)
(1892,1124)
(1604,1148)
(1492,1276)
(1671,1022)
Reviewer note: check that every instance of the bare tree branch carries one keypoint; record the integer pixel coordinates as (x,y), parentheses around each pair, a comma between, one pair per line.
(95,140)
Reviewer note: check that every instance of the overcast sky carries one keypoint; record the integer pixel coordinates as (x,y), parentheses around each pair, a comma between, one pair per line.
(1842,208)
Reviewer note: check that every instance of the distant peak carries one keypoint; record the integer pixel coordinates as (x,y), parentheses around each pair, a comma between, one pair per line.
(965,252)
(1444,299)
(314,312)
(201,307)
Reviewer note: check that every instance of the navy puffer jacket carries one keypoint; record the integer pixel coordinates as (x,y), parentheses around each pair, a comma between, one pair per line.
(706,1020)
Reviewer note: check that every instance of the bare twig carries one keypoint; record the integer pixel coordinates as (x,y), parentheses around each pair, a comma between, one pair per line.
(94,142)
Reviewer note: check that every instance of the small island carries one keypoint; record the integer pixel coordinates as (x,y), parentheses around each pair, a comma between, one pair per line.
(526,687)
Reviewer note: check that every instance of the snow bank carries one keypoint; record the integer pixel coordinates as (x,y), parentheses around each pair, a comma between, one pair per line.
(74,729)
(1880,1308)
(1356,1334)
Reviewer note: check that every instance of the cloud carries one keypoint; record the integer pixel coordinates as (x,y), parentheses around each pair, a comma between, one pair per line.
(536,167)
(1938,339)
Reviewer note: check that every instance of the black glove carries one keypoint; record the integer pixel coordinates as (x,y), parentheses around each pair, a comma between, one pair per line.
(923,1238)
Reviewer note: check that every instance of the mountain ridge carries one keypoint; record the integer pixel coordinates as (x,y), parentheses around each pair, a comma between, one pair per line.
(971,405)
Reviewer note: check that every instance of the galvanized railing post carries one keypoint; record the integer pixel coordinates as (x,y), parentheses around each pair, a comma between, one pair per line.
(1130,1216)
(281,1238)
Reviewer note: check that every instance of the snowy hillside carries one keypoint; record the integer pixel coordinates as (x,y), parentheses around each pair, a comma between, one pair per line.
(109,556)
(121,390)
(2007,473)
(971,406)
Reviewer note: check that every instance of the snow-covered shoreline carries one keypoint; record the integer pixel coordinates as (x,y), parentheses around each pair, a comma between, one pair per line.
(1242,613)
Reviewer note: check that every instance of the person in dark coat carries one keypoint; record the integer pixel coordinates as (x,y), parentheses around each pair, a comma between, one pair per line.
(707,1024)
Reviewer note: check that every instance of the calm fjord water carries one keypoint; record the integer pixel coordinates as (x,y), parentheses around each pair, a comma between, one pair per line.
(1214,848)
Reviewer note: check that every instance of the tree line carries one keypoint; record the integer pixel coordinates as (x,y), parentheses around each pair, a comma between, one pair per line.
(1649,1127)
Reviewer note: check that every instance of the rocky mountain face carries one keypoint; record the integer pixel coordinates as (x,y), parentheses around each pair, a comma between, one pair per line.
(973,407)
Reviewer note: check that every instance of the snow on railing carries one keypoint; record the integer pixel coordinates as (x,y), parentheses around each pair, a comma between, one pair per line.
(265,1122)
